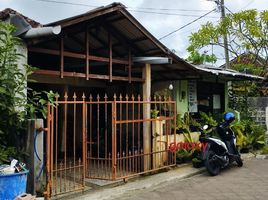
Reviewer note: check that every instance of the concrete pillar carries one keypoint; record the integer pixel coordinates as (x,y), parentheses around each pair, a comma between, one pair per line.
(35,158)
(22,61)
(146,88)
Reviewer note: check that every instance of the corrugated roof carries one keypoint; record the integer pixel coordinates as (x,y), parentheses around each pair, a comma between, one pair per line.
(227,73)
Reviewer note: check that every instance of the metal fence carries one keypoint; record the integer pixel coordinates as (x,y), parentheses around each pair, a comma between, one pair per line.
(103,138)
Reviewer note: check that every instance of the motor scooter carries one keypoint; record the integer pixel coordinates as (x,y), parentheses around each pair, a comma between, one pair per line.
(220,151)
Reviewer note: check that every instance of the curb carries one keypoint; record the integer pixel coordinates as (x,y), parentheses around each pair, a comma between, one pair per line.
(262,157)
(140,183)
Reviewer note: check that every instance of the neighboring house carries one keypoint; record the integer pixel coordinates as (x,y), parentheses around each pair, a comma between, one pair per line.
(107,53)
(249,63)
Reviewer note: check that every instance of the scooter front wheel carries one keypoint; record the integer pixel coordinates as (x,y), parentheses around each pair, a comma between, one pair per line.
(211,164)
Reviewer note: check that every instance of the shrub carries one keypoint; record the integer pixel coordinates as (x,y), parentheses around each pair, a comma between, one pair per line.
(249,135)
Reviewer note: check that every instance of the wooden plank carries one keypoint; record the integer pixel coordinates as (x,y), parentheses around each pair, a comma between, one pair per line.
(85,17)
(87,52)
(82,75)
(144,31)
(110,58)
(120,37)
(129,66)
(77,55)
(61,56)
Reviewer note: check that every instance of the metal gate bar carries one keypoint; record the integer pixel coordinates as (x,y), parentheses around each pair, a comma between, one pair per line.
(65,146)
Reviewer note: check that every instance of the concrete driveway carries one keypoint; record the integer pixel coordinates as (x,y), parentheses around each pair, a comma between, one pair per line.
(249,182)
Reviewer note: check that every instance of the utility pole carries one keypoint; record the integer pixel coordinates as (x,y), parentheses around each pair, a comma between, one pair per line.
(225,40)
(221,7)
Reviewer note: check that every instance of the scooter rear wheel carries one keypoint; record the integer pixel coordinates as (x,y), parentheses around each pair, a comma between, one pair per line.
(212,166)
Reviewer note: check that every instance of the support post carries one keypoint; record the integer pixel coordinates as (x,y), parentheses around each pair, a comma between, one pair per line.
(146,87)
(35,152)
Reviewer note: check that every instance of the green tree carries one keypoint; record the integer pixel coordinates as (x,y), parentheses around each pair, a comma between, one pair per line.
(247,33)
(12,91)
(197,58)
(15,105)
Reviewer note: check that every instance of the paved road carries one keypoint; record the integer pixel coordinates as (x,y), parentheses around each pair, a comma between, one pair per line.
(246,183)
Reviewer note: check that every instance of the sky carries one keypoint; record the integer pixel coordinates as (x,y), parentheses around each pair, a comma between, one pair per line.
(160,17)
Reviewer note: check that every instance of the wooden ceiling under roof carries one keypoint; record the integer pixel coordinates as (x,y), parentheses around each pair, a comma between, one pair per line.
(100,44)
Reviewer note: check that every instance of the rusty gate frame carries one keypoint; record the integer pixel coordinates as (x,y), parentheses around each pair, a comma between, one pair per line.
(114,157)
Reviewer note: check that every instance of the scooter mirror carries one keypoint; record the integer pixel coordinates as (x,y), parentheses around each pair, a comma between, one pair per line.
(205,127)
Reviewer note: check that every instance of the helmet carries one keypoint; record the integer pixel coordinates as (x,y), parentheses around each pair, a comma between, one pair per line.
(229,117)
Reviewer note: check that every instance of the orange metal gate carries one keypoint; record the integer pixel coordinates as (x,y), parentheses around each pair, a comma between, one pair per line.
(66,144)
(102,138)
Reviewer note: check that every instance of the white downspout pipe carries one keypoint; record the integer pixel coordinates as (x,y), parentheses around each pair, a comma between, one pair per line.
(42,32)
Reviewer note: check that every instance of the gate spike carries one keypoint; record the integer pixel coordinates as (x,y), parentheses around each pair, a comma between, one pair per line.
(160,98)
(74,96)
(127,97)
(90,97)
(83,96)
(65,96)
(165,98)
(120,97)
(118,155)
(105,97)
(98,97)
(139,97)
(132,97)
(129,152)
(154,97)
(114,96)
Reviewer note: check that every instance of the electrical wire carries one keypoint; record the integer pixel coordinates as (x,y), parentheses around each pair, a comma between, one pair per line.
(132,9)
(186,25)
(247,5)
(68,3)
(161,13)
(169,9)
(228,10)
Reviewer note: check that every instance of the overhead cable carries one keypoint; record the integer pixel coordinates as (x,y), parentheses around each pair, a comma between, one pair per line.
(186,24)
(131,10)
